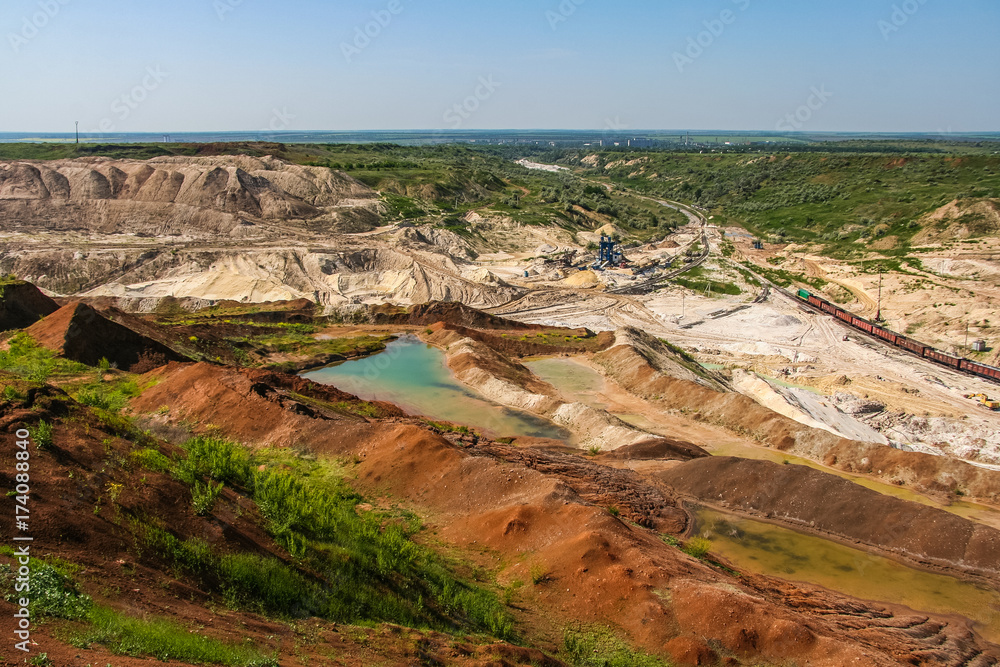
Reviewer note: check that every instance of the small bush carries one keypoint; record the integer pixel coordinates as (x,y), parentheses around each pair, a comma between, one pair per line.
(203,496)
(54,594)
(42,435)
(698,547)
(218,459)
(11,393)
(104,365)
(152,459)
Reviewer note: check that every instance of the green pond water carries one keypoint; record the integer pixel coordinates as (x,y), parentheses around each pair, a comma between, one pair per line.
(414,376)
(762,548)
(576,382)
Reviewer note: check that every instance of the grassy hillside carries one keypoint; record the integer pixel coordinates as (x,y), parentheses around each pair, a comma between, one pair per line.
(841,195)
(840,201)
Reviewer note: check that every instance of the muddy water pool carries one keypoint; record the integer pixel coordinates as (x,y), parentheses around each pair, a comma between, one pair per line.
(579,382)
(413,375)
(763,548)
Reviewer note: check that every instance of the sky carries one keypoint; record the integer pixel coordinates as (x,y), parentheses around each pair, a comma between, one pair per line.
(255,65)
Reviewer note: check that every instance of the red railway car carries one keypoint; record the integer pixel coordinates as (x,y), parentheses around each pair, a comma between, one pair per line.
(914,346)
(911,345)
(942,358)
(885,334)
(864,325)
(980,369)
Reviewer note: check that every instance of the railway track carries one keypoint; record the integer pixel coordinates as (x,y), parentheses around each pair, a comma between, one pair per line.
(812,308)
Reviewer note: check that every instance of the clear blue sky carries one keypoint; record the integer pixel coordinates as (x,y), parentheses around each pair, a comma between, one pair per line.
(936,68)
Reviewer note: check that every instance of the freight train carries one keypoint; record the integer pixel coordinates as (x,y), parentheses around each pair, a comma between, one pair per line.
(916,347)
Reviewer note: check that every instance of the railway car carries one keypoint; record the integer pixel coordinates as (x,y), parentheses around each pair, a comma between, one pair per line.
(980,369)
(942,358)
(918,348)
(864,325)
(885,334)
(911,345)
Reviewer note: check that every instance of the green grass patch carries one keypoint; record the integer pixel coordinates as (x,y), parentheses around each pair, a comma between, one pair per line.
(709,286)
(599,647)
(26,359)
(53,592)
(346,566)
(164,640)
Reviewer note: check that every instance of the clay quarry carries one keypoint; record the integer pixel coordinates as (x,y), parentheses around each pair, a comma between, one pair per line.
(668,458)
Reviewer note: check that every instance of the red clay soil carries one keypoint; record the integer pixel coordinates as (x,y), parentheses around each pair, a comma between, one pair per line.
(84,496)
(22,304)
(78,332)
(846,510)
(531,518)
(923,472)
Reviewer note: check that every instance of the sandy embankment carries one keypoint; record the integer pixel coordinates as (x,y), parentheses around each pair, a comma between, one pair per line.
(643,366)
(508,383)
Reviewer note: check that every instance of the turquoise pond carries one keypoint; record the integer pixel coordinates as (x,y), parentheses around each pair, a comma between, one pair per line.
(414,376)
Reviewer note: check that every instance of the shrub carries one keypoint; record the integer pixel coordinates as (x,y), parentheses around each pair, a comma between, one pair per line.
(203,496)
(54,594)
(218,459)
(42,435)
(152,459)
(11,393)
(698,547)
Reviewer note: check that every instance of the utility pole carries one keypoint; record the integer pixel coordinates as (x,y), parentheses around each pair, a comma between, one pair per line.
(77,133)
(966,333)
(878,314)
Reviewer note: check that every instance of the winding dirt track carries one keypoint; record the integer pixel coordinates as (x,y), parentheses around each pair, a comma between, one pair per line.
(869,306)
